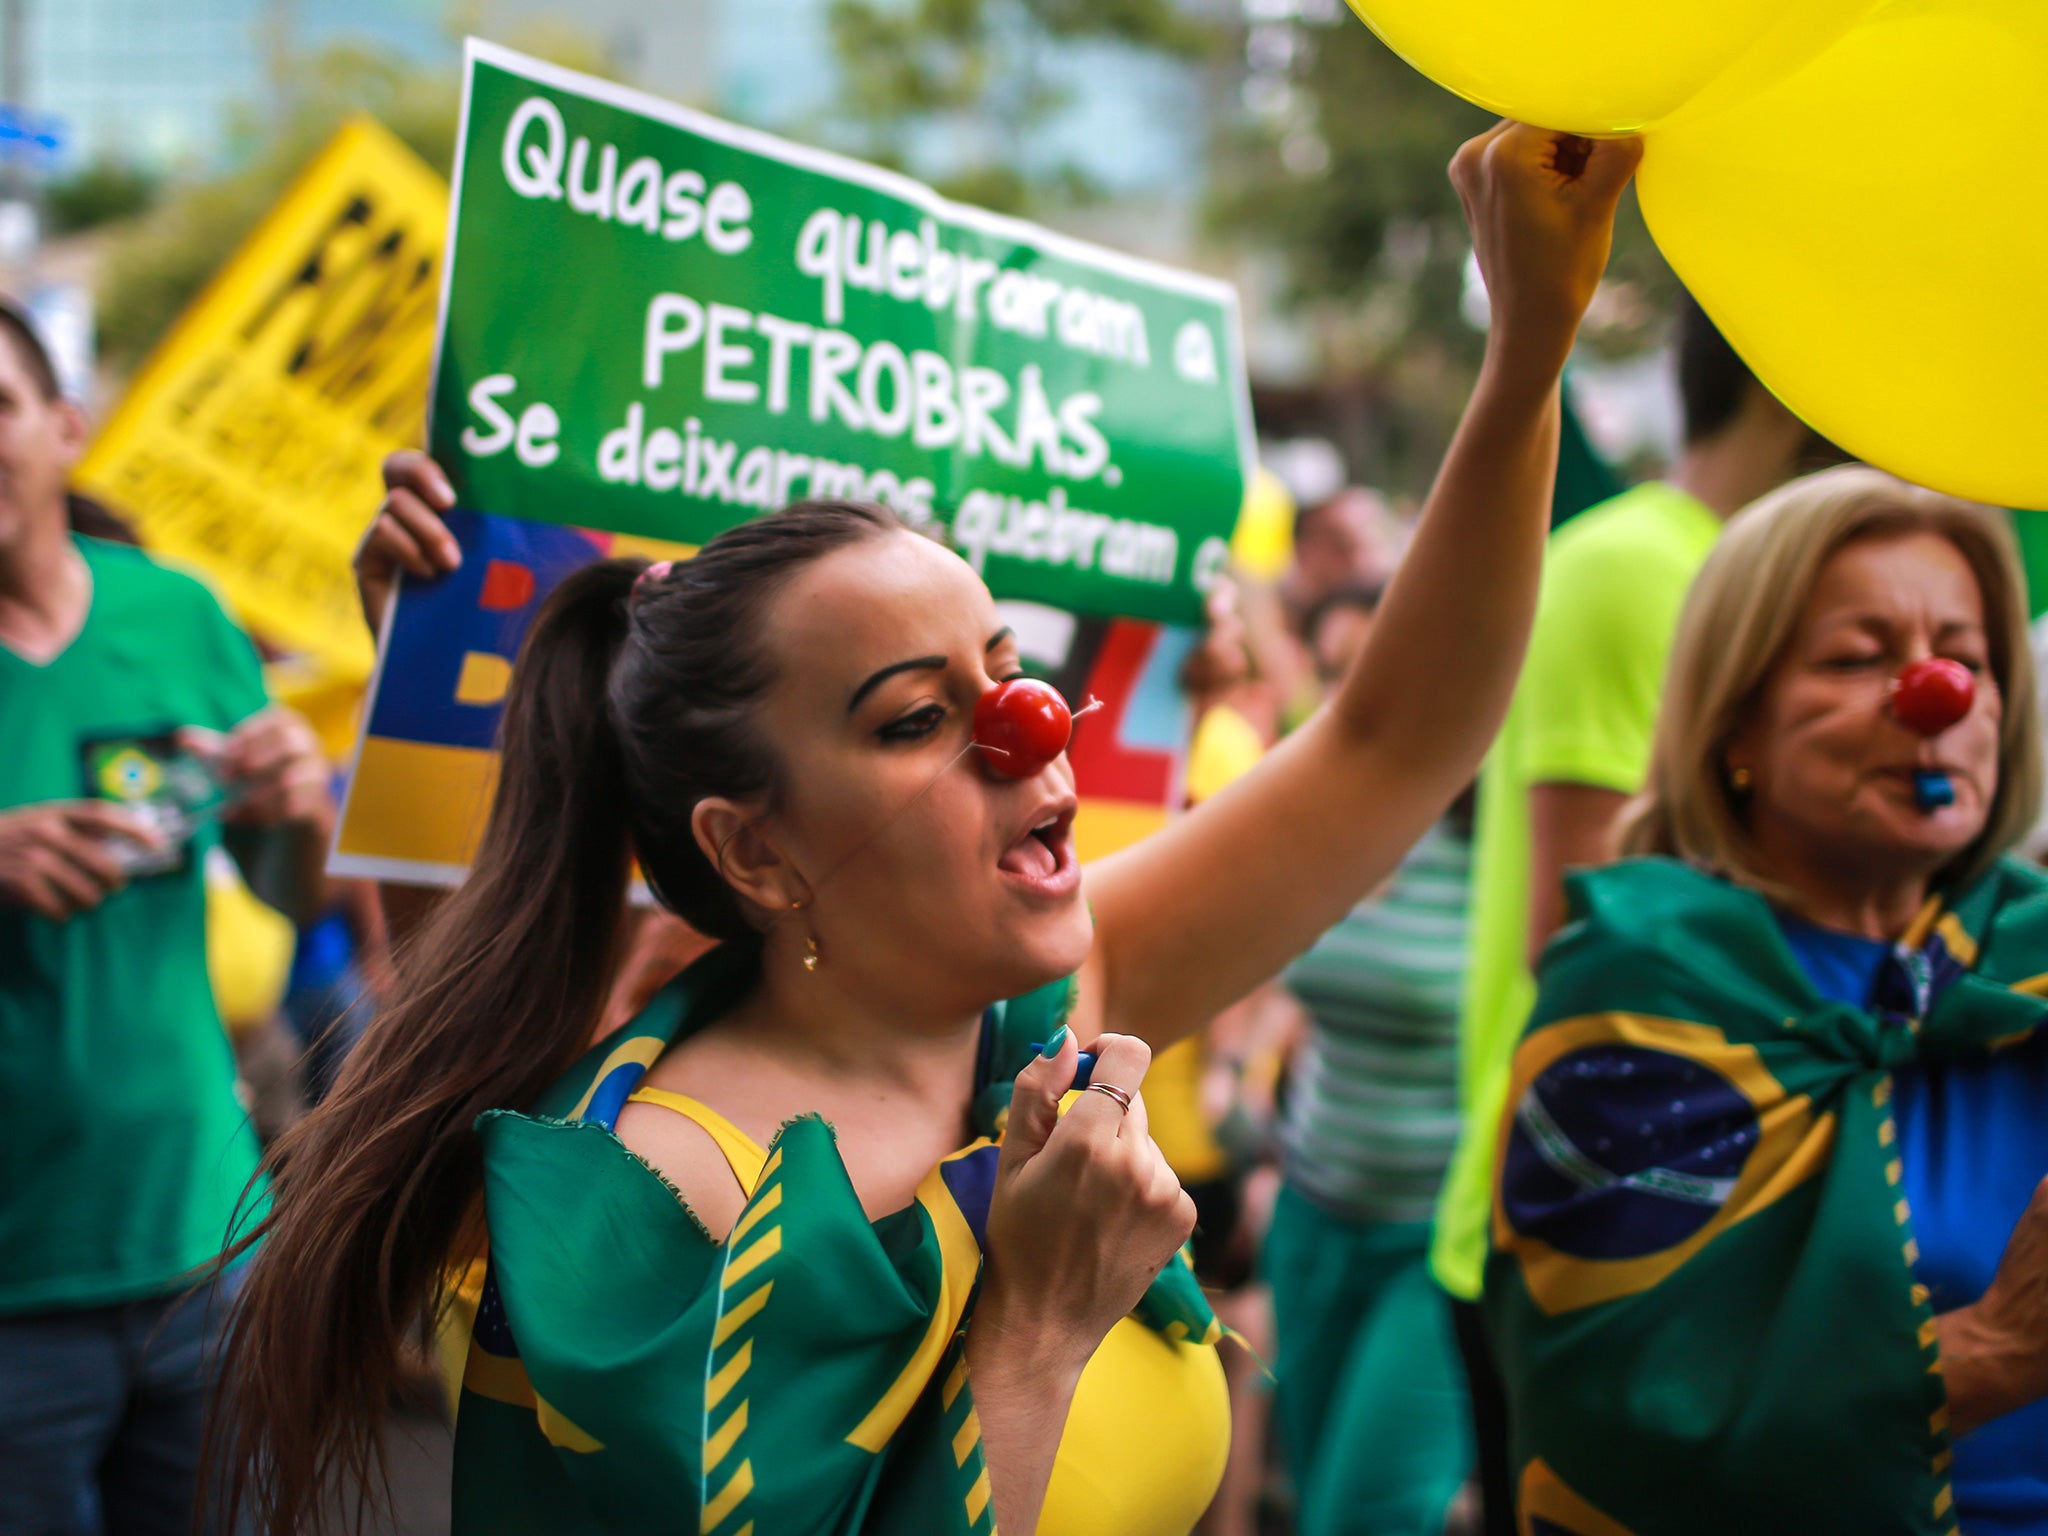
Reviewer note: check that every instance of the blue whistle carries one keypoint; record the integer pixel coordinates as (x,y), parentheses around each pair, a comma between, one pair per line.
(1933,790)
(1084,1068)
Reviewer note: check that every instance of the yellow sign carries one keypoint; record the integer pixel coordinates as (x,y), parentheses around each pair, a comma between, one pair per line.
(249,445)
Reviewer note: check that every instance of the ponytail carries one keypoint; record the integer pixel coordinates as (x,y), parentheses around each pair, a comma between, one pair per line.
(373,1194)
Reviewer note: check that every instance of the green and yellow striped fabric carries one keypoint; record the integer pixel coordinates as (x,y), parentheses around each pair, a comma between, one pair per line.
(628,1374)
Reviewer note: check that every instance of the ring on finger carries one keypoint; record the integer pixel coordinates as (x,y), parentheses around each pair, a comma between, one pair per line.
(1123,1100)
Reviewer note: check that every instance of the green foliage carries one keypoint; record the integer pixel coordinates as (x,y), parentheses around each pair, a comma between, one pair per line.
(1339,172)
(972,82)
(157,266)
(1387,135)
(102,193)
(1375,207)
(1333,179)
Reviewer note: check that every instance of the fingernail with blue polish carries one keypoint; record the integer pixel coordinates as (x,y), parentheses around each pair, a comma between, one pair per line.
(1051,1048)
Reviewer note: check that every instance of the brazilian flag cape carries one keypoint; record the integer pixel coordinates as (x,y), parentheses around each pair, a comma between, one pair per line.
(1701,1288)
(628,1374)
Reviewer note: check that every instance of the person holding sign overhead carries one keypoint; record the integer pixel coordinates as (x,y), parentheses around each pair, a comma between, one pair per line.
(808,1246)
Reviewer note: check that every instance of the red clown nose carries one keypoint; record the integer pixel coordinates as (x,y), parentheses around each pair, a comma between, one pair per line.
(1932,695)
(1021,726)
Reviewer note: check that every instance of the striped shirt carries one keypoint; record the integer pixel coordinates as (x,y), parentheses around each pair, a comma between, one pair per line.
(1372,1113)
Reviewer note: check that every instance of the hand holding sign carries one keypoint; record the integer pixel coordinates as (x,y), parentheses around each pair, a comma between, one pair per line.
(407,533)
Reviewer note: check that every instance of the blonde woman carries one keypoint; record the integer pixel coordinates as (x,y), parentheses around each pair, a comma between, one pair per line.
(1770,1247)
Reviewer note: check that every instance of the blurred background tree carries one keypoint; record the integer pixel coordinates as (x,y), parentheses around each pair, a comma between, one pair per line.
(104,192)
(174,238)
(1331,179)
(960,92)
(157,263)
(1325,195)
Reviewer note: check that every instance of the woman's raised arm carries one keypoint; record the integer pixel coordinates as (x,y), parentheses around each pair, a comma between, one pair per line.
(1197,915)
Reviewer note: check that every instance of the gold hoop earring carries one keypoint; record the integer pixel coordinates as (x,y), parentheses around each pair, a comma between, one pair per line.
(1740,780)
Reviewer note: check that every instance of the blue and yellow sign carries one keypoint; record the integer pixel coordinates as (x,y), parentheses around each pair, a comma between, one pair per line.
(428,765)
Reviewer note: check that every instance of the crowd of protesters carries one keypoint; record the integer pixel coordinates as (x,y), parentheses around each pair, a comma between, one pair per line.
(1454,1284)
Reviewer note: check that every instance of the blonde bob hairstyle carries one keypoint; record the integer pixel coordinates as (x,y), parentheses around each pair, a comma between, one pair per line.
(1739,621)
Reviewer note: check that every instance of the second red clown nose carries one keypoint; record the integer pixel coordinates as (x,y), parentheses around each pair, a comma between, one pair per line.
(1930,696)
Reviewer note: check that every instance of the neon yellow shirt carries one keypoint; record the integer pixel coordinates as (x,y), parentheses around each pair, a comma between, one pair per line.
(1614,582)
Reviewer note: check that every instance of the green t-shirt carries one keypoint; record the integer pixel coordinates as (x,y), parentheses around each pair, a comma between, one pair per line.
(1614,581)
(122,1147)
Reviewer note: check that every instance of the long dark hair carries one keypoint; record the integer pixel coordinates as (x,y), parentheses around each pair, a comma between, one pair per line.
(630,701)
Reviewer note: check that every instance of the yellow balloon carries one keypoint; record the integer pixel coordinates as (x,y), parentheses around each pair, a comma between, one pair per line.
(1605,66)
(1871,234)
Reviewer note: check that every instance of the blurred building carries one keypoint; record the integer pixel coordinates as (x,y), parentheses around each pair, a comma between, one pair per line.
(1135,124)
(132,80)
(158,83)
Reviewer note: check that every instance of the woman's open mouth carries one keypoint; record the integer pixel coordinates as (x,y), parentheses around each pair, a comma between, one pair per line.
(1043,858)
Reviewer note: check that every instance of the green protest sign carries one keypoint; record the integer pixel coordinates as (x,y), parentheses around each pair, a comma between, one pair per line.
(658,324)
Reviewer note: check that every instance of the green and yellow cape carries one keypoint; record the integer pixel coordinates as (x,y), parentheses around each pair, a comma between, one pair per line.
(628,1374)
(1701,1283)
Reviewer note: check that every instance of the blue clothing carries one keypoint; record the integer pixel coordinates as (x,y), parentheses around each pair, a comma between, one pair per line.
(327,946)
(1973,1136)
(329,1019)
(326,1002)
(325,951)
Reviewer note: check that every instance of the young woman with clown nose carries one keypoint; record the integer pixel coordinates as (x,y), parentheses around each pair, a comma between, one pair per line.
(1772,1222)
(708,1310)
